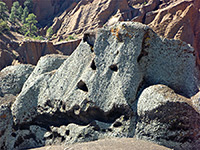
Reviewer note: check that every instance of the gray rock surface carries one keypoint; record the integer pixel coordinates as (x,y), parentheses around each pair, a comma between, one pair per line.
(12,78)
(168,118)
(48,63)
(6,122)
(93,93)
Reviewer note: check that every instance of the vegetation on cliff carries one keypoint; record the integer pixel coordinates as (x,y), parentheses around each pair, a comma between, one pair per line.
(20,19)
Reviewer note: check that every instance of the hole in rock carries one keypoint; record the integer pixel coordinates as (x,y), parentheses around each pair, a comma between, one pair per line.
(109,129)
(80,135)
(67,132)
(113,67)
(89,37)
(103,130)
(62,139)
(82,86)
(14,134)
(117,53)
(117,124)
(63,106)
(93,66)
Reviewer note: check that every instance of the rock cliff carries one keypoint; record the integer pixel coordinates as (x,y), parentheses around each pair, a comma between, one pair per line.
(102,91)
(14,50)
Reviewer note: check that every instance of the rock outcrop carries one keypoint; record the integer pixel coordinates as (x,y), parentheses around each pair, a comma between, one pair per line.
(67,47)
(168,118)
(92,94)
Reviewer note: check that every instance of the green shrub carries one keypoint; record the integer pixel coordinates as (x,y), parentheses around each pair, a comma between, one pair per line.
(49,32)
(3,27)
(71,37)
(39,38)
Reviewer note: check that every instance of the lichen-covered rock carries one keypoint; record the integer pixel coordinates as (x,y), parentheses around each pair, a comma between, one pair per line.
(101,80)
(12,78)
(167,118)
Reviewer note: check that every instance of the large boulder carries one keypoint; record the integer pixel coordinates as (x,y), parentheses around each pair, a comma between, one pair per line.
(12,78)
(95,90)
(168,119)
(49,63)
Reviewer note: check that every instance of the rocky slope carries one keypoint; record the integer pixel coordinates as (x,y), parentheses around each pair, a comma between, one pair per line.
(89,15)
(102,91)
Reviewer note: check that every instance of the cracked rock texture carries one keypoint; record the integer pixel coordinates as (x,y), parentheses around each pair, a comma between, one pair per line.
(92,94)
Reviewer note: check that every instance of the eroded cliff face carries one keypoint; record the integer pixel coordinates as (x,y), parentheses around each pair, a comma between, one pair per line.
(15,50)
